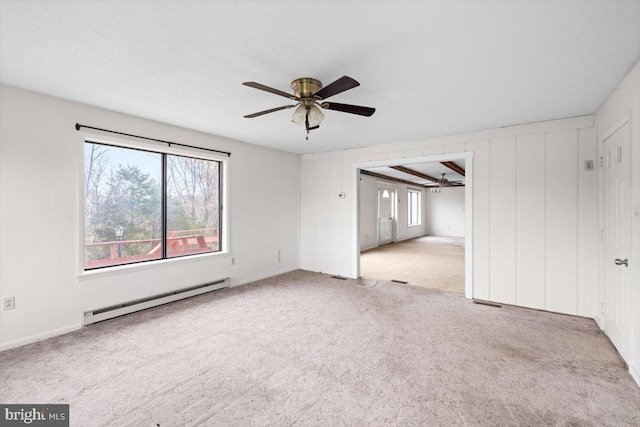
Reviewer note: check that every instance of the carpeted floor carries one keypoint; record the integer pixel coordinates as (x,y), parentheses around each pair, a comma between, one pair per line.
(306,349)
(433,262)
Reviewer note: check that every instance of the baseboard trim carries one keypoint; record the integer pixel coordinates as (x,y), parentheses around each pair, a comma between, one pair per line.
(598,320)
(635,375)
(263,276)
(39,337)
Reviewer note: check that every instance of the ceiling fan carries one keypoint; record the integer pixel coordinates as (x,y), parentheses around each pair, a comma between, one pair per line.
(444,182)
(310,95)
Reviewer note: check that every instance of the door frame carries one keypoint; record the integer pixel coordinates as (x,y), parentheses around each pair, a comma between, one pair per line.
(468,198)
(394,208)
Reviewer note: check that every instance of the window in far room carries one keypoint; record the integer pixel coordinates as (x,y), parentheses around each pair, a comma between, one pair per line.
(414,207)
(143,205)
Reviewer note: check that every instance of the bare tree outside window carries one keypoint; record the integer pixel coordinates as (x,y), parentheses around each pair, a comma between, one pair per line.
(124,211)
(193,190)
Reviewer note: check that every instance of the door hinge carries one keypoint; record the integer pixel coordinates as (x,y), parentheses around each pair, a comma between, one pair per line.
(602,307)
(602,235)
(601,161)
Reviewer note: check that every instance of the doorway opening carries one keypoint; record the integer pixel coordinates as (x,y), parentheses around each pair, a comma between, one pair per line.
(414,221)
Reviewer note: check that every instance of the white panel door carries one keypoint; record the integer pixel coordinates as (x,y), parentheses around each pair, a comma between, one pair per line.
(385,216)
(617,241)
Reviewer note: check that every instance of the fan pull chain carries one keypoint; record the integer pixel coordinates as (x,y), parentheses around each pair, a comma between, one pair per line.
(306,123)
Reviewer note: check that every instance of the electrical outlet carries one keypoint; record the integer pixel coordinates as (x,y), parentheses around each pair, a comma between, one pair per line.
(279,256)
(9,303)
(233,261)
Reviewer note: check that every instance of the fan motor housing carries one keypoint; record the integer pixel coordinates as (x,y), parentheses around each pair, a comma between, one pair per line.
(305,87)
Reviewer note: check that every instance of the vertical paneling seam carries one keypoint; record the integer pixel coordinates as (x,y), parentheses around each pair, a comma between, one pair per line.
(515,220)
(489,236)
(578,200)
(341,225)
(544,288)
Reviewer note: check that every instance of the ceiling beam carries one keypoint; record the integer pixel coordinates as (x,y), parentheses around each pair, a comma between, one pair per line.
(453,167)
(390,178)
(403,181)
(415,173)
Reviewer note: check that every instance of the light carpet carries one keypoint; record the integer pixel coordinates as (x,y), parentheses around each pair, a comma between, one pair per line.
(305,349)
(433,262)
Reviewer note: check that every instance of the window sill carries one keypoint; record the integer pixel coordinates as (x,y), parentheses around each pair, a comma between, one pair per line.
(414,225)
(148,265)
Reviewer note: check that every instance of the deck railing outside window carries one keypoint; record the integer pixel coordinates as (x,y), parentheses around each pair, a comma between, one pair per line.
(179,242)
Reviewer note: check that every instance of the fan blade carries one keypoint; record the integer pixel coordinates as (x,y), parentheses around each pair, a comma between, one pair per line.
(346,108)
(260,113)
(340,85)
(271,90)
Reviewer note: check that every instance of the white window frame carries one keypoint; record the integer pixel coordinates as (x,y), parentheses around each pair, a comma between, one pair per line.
(125,142)
(411,191)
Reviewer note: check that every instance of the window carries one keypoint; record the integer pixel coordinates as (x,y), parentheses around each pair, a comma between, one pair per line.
(414,207)
(142,205)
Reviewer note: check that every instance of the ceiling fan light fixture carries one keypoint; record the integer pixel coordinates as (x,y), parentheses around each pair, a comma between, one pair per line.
(310,95)
(315,116)
(299,114)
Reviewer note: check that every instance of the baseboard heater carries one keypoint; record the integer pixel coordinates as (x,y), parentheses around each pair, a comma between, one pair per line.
(161,299)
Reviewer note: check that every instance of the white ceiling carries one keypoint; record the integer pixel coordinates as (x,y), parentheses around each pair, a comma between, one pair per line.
(430,68)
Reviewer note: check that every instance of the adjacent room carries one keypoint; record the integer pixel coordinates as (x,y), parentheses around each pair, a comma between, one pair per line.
(223,213)
(412,224)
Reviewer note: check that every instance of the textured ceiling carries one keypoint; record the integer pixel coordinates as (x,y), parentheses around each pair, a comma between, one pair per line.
(429,68)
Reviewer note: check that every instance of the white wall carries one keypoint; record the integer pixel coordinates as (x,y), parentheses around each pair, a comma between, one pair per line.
(40,205)
(534,238)
(626,100)
(406,231)
(444,212)
(369,212)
